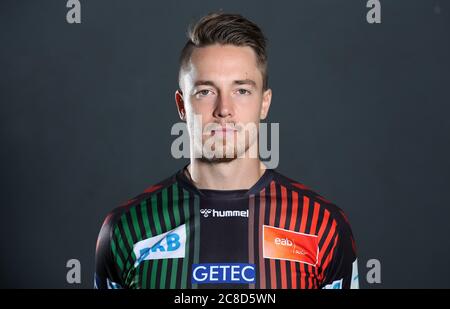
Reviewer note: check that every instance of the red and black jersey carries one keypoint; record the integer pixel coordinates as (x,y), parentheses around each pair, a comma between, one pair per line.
(278,234)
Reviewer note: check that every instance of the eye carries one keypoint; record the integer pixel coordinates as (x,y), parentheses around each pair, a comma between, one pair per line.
(203,92)
(243,91)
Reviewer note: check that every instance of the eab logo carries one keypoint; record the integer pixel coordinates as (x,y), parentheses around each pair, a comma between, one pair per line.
(169,245)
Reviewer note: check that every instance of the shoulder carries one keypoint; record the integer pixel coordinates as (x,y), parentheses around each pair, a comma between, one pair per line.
(124,208)
(313,198)
(332,218)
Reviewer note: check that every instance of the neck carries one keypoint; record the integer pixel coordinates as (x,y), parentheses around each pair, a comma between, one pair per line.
(240,173)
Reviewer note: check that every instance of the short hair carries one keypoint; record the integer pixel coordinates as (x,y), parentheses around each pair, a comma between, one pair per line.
(224,28)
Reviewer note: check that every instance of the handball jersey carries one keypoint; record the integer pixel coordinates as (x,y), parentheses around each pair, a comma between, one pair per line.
(278,234)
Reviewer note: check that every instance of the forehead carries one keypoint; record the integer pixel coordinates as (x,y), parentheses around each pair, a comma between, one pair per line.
(223,63)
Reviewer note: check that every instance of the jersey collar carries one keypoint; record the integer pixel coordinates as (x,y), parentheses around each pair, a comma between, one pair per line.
(262,182)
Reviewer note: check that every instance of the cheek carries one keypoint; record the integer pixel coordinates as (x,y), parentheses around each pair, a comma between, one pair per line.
(249,110)
(197,108)
(199,112)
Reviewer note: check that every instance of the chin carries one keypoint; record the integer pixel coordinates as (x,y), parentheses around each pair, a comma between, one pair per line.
(229,154)
(218,160)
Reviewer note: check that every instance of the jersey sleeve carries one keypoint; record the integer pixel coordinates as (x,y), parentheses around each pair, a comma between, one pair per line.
(342,270)
(107,274)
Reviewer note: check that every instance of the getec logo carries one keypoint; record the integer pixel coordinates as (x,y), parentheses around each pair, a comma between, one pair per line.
(223,273)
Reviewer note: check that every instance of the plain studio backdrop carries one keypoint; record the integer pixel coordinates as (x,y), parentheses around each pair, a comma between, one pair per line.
(86,112)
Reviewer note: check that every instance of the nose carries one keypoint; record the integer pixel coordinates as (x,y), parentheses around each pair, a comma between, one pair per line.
(224,107)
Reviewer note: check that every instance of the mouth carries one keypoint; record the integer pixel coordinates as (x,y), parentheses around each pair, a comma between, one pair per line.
(223,131)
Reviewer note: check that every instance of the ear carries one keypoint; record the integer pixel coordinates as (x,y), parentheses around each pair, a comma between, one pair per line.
(180,104)
(267,98)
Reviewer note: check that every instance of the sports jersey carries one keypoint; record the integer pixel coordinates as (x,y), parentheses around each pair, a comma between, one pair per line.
(279,234)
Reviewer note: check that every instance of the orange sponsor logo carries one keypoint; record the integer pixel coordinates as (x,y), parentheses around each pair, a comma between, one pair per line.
(288,245)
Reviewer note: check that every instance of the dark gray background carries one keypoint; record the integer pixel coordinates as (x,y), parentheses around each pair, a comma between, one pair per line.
(86,112)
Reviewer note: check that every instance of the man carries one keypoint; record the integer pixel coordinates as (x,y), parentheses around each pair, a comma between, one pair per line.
(225,220)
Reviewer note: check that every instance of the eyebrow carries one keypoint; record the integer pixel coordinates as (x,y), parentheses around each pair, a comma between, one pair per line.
(235,82)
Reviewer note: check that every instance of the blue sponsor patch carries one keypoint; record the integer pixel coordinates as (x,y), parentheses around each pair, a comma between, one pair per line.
(223,273)
(334,285)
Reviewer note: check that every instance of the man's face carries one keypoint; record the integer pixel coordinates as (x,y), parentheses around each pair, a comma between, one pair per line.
(223,86)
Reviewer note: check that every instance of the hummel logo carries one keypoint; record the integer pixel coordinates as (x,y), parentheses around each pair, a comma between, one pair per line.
(224,213)
(205,212)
